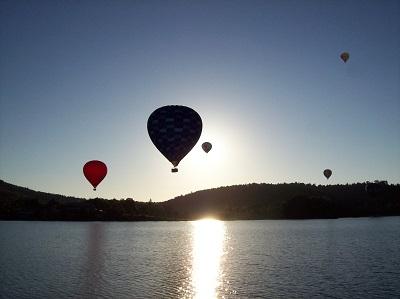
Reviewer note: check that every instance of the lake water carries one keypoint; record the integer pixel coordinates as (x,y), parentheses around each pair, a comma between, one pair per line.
(339,258)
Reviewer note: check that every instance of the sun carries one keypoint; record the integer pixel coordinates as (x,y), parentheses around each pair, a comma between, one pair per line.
(200,160)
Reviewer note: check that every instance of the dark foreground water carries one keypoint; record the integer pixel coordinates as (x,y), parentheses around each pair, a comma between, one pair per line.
(342,258)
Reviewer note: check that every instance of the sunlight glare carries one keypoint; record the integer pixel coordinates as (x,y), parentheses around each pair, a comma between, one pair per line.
(214,163)
(199,159)
(207,254)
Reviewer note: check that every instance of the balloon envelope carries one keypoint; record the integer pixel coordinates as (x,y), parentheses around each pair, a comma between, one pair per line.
(345,56)
(174,130)
(327,173)
(206,146)
(95,171)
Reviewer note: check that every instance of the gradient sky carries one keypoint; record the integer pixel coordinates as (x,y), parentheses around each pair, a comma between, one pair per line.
(79,79)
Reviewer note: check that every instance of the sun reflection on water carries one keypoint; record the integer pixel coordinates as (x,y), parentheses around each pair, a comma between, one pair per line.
(208,241)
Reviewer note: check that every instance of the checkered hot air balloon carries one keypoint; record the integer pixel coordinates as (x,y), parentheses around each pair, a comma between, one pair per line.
(174,130)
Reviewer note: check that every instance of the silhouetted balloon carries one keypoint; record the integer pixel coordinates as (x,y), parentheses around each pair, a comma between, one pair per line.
(345,56)
(174,130)
(327,173)
(95,171)
(206,146)
(373,189)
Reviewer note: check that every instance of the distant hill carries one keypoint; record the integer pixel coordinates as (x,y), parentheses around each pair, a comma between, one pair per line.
(248,201)
(286,201)
(13,192)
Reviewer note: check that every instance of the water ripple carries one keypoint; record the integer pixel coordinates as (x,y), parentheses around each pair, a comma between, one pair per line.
(343,258)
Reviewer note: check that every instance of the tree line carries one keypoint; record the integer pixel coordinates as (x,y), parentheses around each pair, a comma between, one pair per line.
(238,202)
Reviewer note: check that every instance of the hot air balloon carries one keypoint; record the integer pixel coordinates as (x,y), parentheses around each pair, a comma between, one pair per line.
(327,173)
(174,130)
(206,146)
(345,56)
(95,171)
(373,189)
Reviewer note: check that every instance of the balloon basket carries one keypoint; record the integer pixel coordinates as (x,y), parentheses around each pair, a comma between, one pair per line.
(174,170)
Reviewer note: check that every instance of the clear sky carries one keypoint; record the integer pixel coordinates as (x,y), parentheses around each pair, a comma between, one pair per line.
(79,79)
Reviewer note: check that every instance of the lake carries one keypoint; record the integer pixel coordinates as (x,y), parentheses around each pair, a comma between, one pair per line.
(335,258)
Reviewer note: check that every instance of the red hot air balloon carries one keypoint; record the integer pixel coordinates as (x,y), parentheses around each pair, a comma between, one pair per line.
(95,171)
(206,146)
(345,56)
(327,173)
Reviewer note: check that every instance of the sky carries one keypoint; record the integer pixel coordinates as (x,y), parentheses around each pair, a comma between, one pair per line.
(79,79)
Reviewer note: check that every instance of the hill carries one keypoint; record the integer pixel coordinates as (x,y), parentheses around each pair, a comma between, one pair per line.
(13,192)
(287,201)
(250,201)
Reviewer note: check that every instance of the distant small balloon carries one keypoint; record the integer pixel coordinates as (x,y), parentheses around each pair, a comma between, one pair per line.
(345,56)
(95,171)
(327,173)
(206,146)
